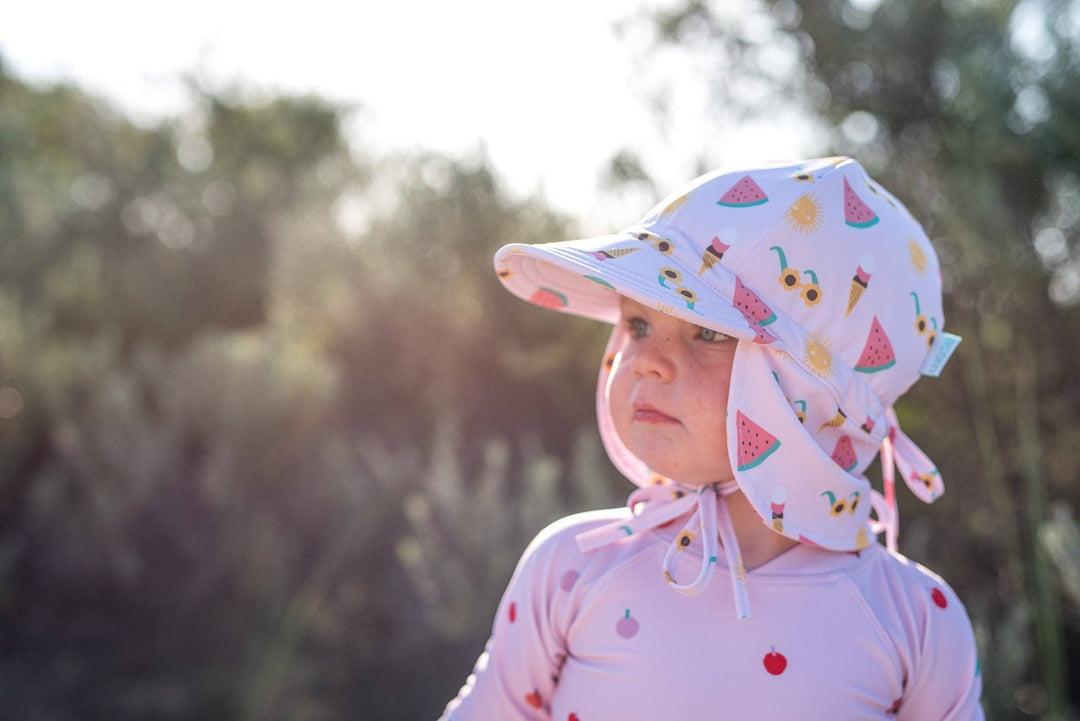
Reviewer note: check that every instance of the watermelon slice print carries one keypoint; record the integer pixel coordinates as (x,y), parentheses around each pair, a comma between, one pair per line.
(877,354)
(761,336)
(755,443)
(751,305)
(756,312)
(857,214)
(744,194)
(548,298)
(844,454)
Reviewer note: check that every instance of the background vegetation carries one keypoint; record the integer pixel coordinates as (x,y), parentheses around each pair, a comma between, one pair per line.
(272,436)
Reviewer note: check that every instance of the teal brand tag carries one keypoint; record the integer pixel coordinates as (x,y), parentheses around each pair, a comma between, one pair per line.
(940,352)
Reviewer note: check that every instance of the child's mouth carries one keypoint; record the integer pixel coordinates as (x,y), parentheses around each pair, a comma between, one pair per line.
(648,414)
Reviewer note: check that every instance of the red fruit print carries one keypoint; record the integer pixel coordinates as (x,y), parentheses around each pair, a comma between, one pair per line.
(939,598)
(534,700)
(548,298)
(573,717)
(513,612)
(627,627)
(775,663)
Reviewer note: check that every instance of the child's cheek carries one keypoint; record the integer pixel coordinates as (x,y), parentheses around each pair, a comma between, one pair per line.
(620,387)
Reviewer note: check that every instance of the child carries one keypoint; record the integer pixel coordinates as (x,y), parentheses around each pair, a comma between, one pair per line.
(766,320)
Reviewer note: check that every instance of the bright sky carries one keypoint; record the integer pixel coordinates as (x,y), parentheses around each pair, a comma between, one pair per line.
(547,87)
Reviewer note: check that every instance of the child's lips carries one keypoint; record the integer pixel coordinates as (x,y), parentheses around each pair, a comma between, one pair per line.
(646,413)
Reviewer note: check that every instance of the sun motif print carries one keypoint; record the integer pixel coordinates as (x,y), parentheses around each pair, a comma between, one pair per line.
(817,356)
(917,257)
(805,214)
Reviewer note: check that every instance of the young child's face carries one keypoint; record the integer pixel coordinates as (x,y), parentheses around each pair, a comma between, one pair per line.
(668,394)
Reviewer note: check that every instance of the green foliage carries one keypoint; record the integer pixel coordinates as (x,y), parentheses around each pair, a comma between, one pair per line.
(257,463)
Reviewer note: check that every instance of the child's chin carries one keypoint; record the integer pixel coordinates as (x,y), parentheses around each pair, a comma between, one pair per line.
(691,480)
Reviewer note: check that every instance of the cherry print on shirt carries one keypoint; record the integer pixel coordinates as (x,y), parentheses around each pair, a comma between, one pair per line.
(939,598)
(568,580)
(534,700)
(627,627)
(513,612)
(775,663)
(573,717)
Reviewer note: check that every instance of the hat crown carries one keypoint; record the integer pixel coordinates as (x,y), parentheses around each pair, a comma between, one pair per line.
(842,263)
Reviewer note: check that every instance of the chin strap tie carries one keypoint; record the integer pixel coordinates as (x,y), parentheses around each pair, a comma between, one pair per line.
(919,473)
(665,503)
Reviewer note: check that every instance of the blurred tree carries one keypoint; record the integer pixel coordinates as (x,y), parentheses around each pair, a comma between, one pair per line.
(272,436)
(968,112)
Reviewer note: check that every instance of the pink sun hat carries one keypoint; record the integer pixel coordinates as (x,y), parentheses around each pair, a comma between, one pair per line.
(833,290)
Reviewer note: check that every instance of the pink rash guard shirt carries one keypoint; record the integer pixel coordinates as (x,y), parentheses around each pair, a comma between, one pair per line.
(600,635)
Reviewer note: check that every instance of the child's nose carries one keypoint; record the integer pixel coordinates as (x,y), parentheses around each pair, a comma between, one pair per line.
(654,358)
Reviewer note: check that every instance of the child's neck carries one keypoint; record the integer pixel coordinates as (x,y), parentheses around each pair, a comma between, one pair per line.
(758,543)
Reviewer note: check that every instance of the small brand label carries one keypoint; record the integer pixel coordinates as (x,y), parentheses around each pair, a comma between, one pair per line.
(940,352)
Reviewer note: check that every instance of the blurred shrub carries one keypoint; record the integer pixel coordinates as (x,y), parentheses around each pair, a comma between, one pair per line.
(272,436)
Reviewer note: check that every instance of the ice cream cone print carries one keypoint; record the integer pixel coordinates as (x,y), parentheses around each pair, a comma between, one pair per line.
(612,253)
(715,252)
(834,422)
(859,282)
(779,500)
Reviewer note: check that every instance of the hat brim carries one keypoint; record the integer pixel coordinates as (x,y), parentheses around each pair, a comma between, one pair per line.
(578,277)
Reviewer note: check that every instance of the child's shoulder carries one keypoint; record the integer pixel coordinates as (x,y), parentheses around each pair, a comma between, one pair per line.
(555,549)
(561,535)
(893,575)
(908,570)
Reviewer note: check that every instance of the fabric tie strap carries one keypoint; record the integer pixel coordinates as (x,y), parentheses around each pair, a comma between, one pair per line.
(663,504)
(918,471)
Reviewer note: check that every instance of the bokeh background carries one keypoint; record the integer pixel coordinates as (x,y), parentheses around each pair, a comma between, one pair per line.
(272,437)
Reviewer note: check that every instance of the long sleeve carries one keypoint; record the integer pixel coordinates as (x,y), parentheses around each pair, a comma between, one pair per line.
(946,683)
(515,676)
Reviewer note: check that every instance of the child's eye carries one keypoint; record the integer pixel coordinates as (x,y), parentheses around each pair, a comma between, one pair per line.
(638,327)
(712,336)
